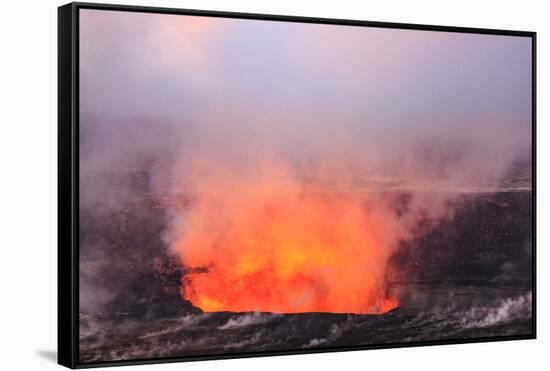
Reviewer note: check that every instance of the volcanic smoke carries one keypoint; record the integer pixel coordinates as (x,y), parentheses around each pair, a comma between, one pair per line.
(268,243)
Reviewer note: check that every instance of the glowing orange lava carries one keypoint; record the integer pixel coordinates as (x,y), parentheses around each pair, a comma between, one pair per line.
(268,246)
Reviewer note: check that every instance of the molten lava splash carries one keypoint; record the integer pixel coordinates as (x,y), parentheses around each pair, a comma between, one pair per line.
(269,246)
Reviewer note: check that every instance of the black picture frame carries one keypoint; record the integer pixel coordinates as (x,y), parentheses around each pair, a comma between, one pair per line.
(68,178)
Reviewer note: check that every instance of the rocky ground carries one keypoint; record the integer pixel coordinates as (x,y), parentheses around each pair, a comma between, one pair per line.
(467,278)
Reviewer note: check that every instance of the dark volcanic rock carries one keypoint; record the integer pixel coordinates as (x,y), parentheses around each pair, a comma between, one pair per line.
(469,277)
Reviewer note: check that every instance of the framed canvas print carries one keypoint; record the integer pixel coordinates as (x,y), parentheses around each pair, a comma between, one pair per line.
(235,185)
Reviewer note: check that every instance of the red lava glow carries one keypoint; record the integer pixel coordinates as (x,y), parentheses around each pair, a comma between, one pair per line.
(268,246)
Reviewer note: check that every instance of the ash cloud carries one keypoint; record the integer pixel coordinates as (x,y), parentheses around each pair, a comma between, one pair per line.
(432,109)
